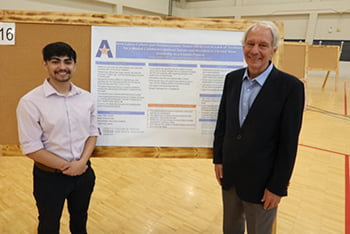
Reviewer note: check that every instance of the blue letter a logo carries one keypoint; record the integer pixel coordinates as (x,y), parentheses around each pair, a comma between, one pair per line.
(104,49)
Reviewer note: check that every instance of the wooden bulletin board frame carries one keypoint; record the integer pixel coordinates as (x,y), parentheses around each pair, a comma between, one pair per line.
(21,64)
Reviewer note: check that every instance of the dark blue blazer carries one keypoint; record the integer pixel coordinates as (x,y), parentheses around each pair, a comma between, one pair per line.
(260,154)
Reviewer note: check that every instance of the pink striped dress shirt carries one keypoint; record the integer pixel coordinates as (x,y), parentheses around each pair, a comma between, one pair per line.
(60,124)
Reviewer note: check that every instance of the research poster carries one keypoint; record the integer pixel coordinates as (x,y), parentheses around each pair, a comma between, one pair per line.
(160,87)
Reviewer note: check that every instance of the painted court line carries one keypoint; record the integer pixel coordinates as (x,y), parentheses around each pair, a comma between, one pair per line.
(324,150)
(347,173)
(345,100)
(347,193)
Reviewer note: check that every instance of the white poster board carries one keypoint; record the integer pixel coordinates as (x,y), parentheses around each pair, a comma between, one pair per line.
(160,86)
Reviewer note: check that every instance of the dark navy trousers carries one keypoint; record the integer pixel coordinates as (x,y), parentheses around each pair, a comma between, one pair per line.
(51,189)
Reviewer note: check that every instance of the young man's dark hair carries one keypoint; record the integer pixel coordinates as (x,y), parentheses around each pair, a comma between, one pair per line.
(59,49)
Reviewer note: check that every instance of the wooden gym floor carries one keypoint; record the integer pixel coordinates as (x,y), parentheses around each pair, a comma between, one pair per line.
(169,195)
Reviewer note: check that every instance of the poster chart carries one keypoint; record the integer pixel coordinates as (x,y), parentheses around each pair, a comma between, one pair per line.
(160,87)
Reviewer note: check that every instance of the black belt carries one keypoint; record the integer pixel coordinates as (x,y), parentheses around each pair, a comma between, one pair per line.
(46,168)
(52,170)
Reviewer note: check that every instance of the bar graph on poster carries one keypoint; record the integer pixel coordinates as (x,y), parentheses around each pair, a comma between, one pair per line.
(160,87)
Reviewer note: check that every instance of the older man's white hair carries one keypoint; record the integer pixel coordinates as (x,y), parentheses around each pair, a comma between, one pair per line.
(265,24)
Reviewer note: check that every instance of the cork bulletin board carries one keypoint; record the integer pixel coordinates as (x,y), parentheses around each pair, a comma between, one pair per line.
(294,59)
(324,58)
(21,66)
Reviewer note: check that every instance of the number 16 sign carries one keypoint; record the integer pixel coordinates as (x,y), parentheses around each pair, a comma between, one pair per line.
(7,33)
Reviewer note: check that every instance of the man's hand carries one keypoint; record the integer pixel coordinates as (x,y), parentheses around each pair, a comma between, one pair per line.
(218,172)
(270,200)
(75,168)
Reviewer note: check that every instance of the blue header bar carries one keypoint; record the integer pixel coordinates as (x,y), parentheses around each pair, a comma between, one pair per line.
(179,51)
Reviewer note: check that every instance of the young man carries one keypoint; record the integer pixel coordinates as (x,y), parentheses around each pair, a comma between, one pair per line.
(57,127)
(256,135)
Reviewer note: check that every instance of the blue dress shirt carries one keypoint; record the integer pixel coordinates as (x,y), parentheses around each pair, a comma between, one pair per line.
(249,91)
